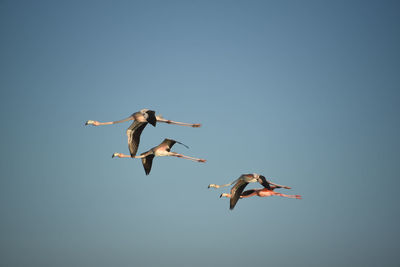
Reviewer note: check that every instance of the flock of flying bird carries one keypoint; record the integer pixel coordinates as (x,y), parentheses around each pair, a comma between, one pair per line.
(146,116)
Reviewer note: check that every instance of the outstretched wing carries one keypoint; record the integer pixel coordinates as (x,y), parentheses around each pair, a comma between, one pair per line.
(248,192)
(279,186)
(236,191)
(150,116)
(182,144)
(147,162)
(264,182)
(134,131)
(170,142)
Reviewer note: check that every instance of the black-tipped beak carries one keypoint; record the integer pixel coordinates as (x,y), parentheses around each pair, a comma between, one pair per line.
(112,156)
(86,123)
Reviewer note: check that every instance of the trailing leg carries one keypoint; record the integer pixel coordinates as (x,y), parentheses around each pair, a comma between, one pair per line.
(186,157)
(161,119)
(288,196)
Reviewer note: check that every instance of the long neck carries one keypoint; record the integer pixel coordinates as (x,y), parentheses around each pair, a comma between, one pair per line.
(113,122)
(123,120)
(229,184)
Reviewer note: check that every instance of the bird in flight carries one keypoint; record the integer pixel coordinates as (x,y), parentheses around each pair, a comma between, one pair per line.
(240,184)
(264,192)
(140,120)
(163,149)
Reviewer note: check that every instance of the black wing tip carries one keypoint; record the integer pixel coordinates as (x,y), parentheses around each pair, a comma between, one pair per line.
(182,144)
(147,171)
(233,203)
(152,119)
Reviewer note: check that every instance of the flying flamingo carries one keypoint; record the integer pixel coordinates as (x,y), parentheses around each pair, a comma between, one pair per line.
(140,120)
(163,149)
(264,192)
(242,182)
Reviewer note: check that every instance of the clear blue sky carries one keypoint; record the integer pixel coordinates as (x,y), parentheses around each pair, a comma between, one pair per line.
(303,92)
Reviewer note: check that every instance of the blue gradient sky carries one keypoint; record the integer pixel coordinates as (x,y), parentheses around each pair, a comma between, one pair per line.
(303,92)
